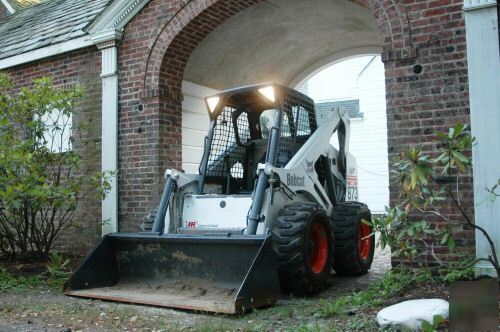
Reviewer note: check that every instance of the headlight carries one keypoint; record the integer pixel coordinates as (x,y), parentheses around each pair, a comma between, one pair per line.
(212,103)
(268,92)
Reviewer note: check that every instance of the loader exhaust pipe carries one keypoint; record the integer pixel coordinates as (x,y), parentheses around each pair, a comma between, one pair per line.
(224,274)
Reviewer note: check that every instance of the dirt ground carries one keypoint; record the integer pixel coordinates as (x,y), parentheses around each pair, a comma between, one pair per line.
(45,309)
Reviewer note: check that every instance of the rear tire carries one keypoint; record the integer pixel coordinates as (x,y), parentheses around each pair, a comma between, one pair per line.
(303,241)
(354,248)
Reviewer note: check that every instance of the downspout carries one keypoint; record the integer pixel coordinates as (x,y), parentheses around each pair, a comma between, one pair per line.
(107,42)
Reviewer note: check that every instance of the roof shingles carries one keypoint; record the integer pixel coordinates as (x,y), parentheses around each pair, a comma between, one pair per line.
(22,4)
(46,23)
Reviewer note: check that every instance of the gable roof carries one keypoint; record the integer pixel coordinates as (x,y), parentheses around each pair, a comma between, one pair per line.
(45,24)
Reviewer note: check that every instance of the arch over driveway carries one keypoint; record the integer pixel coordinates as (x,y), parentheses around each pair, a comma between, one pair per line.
(423,49)
(177,38)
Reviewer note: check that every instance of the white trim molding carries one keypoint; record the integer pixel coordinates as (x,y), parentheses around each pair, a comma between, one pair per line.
(46,52)
(8,6)
(117,15)
(107,38)
(478,4)
(481,23)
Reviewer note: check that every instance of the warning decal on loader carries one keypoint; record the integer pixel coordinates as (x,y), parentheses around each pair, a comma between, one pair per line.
(352,188)
(208,212)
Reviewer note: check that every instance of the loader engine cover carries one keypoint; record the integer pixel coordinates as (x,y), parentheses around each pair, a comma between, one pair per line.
(215,212)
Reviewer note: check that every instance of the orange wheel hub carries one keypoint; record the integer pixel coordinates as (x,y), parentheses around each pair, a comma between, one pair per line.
(365,240)
(318,248)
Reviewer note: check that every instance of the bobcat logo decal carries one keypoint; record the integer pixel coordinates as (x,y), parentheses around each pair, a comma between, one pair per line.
(310,167)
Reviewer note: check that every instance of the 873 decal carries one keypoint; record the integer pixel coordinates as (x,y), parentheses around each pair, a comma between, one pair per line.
(352,188)
(352,193)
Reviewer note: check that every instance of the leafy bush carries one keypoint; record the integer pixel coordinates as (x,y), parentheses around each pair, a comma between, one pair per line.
(59,266)
(415,224)
(40,178)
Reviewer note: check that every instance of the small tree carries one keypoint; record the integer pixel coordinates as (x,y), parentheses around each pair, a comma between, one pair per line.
(40,185)
(426,186)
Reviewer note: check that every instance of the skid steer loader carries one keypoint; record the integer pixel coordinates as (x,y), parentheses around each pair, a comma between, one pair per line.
(273,209)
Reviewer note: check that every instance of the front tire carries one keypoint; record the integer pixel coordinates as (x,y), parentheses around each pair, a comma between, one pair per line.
(303,241)
(354,246)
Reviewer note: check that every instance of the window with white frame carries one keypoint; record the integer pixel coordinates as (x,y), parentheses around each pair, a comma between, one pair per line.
(57,137)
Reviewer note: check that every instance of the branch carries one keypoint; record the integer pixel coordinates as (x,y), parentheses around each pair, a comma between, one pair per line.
(435,213)
(473,225)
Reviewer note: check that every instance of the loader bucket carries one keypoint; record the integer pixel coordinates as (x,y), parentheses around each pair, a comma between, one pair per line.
(225,274)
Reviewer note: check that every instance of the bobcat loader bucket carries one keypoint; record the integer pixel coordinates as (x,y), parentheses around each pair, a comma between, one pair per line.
(225,274)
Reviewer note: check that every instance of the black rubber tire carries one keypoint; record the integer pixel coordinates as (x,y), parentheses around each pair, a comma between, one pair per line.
(149,220)
(347,218)
(291,235)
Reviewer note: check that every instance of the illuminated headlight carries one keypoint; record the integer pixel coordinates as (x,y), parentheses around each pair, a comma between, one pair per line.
(212,103)
(268,92)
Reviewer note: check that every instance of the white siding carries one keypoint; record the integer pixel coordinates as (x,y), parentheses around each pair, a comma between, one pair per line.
(195,124)
(364,79)
(369,138)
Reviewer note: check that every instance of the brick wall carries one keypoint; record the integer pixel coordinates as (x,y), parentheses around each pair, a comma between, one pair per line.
(83,68)
(429,92)
(426,77)
(145,124)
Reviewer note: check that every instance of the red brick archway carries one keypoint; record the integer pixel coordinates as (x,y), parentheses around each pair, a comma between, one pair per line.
(424,52)
(168,54)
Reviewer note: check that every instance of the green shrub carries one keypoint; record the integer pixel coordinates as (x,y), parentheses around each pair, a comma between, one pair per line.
(40,173)
(416,225)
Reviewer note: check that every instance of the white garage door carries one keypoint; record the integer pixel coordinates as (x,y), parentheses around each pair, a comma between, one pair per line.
(195,124)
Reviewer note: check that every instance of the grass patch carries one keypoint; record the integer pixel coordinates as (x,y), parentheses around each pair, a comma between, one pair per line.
(57,272)
(393,283)
(214,325)
(11,282)
(363,324)
(312,327)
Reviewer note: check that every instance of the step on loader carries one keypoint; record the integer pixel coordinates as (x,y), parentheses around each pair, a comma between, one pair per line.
(273,209)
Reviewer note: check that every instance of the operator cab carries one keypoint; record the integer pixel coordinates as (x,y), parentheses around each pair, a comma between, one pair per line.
(243,124)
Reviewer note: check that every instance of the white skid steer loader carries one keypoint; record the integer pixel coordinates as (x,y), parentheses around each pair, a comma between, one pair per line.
(273,209)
